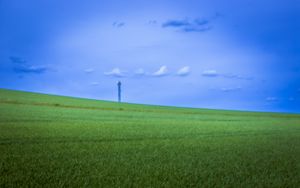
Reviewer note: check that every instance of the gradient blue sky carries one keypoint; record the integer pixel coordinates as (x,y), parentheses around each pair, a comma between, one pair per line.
(242,55)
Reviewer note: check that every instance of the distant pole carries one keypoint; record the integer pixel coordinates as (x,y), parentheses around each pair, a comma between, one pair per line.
(119,91)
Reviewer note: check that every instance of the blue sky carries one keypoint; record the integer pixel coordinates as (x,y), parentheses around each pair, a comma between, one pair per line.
(242,55)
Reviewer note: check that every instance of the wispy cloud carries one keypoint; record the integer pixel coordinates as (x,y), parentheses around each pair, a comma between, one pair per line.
(200,22)
(17,60)
(162,71)
(239,77)
(89,70)
(152,22)
(176,23)
(210,73)
(186,25)
(118,24)
(214,73)
(184,71)
(140,72)
(230,89)
(116,72)
(291,98)
(271,99)
(30,69)
(21,66)
(94,83)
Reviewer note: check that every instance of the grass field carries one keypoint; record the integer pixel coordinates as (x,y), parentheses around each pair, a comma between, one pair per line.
(54,141)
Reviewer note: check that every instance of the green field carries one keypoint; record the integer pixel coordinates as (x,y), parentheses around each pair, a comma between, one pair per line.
(54,141)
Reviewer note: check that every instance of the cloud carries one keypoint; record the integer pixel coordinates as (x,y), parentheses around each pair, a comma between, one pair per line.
(30,69)
(90,70)
(196,25)
(271,99)
(140,72)
(200,22)
(118,24)
(162,71)
(194,29)
(239,77)
(152,22)
(94,83)
(230,89)
(176,23)
(214,73)
(210,73)
(17,60)
(291,98)
(184,71)
(21,66)
(116,72)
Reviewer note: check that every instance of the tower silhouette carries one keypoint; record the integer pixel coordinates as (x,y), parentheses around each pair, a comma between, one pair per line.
(119,91)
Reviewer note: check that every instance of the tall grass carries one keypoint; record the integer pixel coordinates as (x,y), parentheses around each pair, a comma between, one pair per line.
(52,141)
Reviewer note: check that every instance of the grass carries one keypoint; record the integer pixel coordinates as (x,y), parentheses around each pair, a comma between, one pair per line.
(54,141)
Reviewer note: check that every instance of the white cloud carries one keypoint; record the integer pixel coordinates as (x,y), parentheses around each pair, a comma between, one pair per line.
(229,89)
(184,71)
(116,72)
(235,76)
(271,99)
(140,72)
(94,83)
(210,73)
(90,70)
(162,71)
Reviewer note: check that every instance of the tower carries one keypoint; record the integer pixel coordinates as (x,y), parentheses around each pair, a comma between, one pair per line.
(119,91)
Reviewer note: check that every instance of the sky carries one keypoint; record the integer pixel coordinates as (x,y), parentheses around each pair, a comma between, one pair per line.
(218,54)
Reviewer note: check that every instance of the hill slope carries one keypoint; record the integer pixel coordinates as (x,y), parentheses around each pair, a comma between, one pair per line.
(62,141)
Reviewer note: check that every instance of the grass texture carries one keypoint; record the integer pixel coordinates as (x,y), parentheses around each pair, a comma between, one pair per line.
(55,141)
